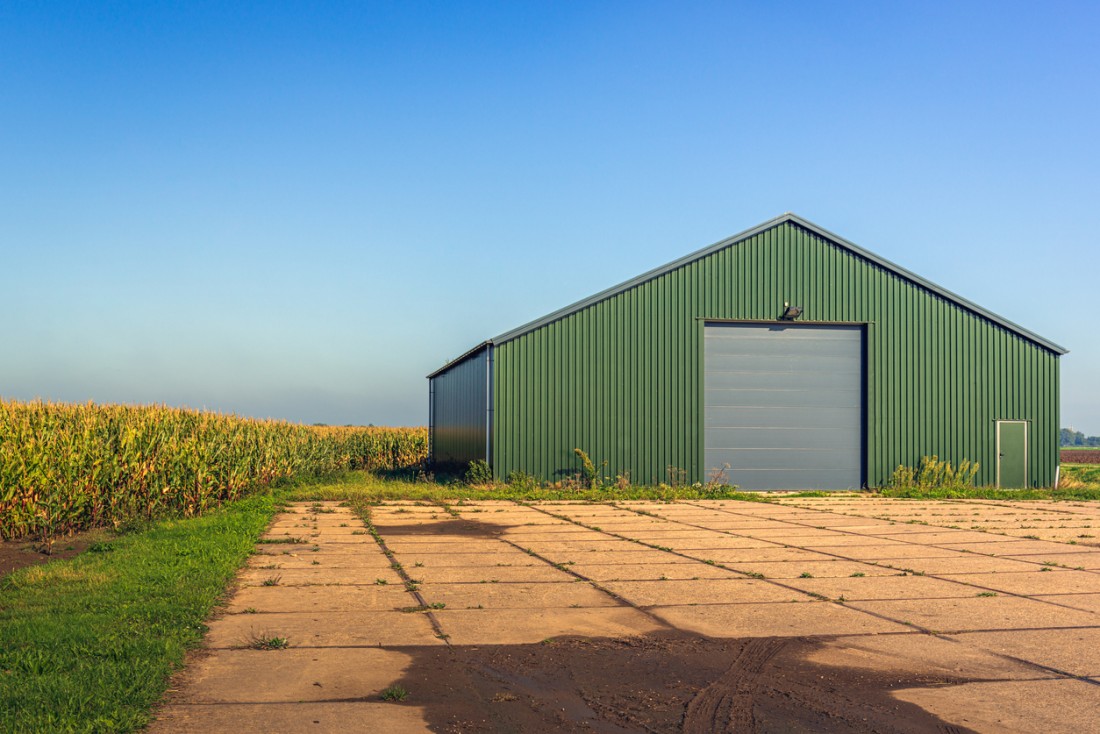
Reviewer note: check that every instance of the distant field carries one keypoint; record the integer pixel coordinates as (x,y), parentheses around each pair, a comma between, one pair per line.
(1089,455)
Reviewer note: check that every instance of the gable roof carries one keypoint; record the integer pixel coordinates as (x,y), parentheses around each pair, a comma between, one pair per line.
(738,238)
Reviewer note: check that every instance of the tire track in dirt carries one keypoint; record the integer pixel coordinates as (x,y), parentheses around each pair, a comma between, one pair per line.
(726,705)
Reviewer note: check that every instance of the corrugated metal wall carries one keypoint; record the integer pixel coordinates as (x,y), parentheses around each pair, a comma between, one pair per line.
(458,411)
(622,379)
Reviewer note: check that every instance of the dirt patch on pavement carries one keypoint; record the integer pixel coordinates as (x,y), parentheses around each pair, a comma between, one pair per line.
(663,682)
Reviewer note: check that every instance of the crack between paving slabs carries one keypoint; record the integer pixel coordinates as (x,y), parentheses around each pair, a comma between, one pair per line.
(935,633)
(856,560)
(410,584)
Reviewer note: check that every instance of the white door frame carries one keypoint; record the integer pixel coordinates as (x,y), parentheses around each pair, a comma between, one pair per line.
(1027,447)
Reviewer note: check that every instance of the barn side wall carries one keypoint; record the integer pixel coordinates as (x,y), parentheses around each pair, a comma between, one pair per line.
(458,412)
(622,378)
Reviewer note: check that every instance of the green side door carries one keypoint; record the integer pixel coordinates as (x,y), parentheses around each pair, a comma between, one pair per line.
(1012,454)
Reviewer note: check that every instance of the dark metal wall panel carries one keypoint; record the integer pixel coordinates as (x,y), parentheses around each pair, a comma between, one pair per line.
(783,405)
(459,417)
(623,378)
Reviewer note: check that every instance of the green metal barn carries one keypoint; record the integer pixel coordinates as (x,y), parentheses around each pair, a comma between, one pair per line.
(784,357)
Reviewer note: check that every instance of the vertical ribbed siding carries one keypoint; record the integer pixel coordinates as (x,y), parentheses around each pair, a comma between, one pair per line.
(622,378)
(459,418)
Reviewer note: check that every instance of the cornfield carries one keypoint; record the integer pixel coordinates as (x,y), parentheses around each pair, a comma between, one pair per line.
(67,467)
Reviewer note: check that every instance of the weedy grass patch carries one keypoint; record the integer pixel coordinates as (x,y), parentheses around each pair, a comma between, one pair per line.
(371,487)
(88,644)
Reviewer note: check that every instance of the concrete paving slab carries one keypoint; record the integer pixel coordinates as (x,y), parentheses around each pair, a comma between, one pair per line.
(598,545)
(977,613)
(446,546)
(791,534)
(967,563)
(713,544)
(357,548)
(895,551)
(612,558)
(676,532)
(652,571)
(1072,651)
(673,592)
(1086,602)
(899,551)
(321,558)
(1060,706)
(317,575)
(920,653)
(1035,582)
(574,533)
(952,536)
(520,626)
(518,595)
(339,533)
(1070,557)
(843,541)
(272,676)
(1008,547)
(487,574)
(773,553)
(789,619)
(882,587)
(324,629)
(293,718)
(351,599)
(504,555)
(794,569)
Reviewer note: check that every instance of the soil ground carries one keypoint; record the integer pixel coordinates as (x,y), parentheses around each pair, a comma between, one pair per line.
(836,614)
(16,554)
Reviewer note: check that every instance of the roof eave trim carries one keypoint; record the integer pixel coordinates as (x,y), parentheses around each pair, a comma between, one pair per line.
(462,358)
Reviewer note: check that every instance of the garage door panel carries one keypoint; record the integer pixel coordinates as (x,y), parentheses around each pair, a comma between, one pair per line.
(790,379)
(791,398)
(773,417)
(756,479)
(784,405)
(775,460)
(780,439)
(786,362)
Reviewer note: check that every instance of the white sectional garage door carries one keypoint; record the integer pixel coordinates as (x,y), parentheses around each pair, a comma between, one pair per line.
(783,405)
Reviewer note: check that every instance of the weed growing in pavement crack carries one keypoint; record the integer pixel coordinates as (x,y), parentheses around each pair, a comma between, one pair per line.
(395,693)
(264,641)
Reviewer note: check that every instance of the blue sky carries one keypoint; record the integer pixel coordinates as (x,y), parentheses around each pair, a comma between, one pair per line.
(298,210)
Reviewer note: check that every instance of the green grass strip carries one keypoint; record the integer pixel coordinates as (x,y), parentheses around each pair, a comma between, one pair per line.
(88,644)
(369,487)
(991,493)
